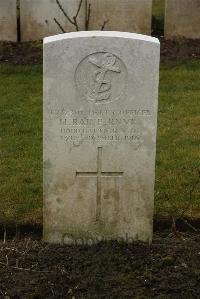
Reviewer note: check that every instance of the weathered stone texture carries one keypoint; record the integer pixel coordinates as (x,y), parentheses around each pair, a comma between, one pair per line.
(182,19)
(8,20)
(37,16)
(126,15)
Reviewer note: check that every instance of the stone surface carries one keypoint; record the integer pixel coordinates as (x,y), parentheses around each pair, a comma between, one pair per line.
(182,19)
(127,15)
(100,119)
(37,16)
(8,20)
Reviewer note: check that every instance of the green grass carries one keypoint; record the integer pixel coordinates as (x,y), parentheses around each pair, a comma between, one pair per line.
(178,143)
(21,142)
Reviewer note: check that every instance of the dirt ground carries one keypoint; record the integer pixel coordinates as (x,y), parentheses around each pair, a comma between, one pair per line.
(169,268)
(28,53)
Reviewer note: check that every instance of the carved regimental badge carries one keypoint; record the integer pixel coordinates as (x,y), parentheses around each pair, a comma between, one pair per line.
(101,77)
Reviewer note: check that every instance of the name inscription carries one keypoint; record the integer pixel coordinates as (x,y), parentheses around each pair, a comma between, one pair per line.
(100,125)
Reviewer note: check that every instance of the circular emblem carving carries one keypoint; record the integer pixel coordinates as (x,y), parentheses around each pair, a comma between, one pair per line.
(101,77)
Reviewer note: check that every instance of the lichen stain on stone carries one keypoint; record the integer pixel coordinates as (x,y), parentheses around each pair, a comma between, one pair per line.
(31,31)
(80,197)
(60,187)
(47,175)
(48,164)
(59,200)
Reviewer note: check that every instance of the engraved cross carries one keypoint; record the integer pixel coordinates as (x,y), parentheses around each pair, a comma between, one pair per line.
(99,174)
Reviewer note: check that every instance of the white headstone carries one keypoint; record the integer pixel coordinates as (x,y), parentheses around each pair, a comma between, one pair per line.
(100,119)
(37,16)
(8,20)
(182,19)
(122,15)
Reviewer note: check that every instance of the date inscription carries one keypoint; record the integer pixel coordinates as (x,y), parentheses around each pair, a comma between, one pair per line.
(100,125)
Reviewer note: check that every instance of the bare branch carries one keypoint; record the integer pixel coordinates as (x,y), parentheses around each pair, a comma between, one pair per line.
(77,13)
(59,25)
(79,7)
(88,15)
(76,24)
(25,269)
(73,20)
(64,12)
(104,25)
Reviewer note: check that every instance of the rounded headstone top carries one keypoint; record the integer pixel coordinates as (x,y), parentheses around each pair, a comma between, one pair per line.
(82,34)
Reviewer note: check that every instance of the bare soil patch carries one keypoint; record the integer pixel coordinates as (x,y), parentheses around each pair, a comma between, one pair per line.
(29,53)
(23,53)
(180,49)
(169,268)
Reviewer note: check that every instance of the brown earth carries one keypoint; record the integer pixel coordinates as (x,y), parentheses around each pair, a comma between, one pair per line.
(169,268)
(27,53)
